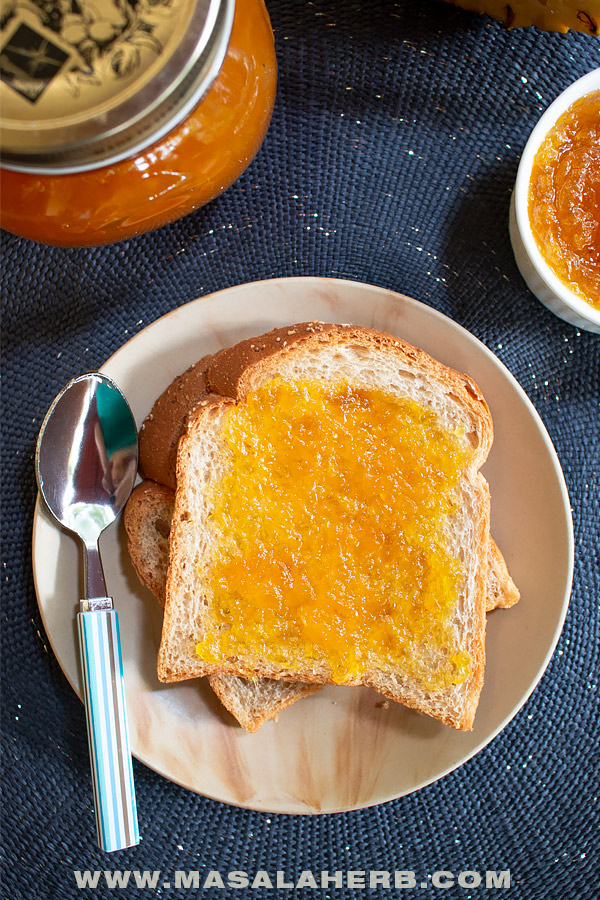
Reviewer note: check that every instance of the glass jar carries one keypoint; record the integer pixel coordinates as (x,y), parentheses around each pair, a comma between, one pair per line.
(125,115)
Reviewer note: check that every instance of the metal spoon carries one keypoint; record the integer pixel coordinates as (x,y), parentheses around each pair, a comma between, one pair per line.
(86,460)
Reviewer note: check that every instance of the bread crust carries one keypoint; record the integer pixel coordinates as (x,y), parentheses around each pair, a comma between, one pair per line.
(230,376)
(162,428)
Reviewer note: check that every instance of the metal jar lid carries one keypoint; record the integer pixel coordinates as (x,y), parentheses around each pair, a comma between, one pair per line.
(85,83)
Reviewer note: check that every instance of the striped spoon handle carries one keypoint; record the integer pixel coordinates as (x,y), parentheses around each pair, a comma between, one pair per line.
(108,736)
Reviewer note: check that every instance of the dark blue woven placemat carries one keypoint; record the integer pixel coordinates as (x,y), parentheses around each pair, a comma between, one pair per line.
(390,160)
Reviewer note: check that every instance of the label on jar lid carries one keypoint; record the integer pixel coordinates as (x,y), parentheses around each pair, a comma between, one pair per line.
(86,82)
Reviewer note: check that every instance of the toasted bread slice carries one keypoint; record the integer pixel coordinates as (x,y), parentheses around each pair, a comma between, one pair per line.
(370,361)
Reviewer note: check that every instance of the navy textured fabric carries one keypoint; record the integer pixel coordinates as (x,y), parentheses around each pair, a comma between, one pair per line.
(390,160)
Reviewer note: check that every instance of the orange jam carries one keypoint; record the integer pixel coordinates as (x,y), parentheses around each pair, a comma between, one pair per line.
(177,174)
(330,525)
(564,198)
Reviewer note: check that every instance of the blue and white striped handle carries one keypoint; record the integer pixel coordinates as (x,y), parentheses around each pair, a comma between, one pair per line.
(110,756)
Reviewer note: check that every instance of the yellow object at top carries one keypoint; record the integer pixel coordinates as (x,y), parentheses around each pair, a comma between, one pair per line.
(556,15)
(329,534)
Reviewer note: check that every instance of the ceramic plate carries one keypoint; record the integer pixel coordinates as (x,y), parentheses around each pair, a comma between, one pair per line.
(341,748)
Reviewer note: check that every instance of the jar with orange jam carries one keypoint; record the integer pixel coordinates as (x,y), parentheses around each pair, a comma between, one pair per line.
(119,116)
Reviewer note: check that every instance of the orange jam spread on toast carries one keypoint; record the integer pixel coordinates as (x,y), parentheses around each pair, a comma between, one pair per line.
(329,529)
(564,198)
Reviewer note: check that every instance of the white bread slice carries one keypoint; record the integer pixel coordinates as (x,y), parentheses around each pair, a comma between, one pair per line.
(367,359)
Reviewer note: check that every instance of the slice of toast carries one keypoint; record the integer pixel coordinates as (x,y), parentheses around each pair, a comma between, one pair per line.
(370,362)
(148,516)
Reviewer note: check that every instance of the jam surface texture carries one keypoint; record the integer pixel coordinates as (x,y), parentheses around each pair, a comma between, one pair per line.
(564,198)
(329,534)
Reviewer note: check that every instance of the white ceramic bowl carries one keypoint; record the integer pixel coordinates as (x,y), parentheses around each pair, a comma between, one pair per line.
(540,279)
